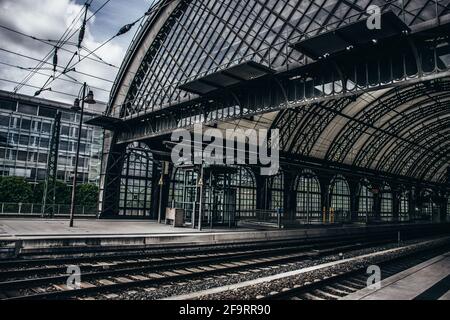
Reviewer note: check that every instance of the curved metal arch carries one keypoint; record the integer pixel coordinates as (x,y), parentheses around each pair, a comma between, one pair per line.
(309,118)
(400,164)
(287,120)
(380,141)
(398,149)
(442,174)
(364,182)
(351,131)
(341,177)
(403,157)
(373,111)
(423,167)
(135,66)
(307,173)
(383,144)
(228,31)
(308,122)
(279,175)
(313,130)
(249,172)
(438,165)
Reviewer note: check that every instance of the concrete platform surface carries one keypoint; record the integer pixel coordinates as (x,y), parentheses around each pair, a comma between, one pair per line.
(429,280)
(35,227)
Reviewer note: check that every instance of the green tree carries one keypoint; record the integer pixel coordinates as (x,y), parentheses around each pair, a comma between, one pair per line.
(38,192)
(62,191)
(15,190)
(87,194)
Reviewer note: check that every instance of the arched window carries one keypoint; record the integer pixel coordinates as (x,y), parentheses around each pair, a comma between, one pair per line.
(340,198)
(276,192)
(308,198)
(403,210)
(448,210)
(365,195)
(136,181)
(244,182)
(429,210)
(386,208)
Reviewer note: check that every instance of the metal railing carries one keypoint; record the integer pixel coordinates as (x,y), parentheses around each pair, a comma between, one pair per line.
(35,209)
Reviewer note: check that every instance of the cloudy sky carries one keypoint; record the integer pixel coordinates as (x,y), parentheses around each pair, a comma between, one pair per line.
(48,20)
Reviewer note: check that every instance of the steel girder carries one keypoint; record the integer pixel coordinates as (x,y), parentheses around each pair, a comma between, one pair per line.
(314,124)
(375,110)
(396,154)
(410,156)
(405,158)
(408,118)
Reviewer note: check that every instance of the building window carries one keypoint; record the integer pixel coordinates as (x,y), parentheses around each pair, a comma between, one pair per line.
(276,193)
(136,181)
(448,210)
(27,109)
(26,124)
(8,105)
(403,207)
(365,195)
(244,182)
(4,121)
(386,209)
(47,112)
(309,208)
(429,210)
(340,198)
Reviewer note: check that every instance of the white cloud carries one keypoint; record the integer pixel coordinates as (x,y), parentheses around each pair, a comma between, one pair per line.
(47,19)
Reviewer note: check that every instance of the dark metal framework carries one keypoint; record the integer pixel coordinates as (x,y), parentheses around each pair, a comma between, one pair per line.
(309,198)
(340,198)
(136,182)
(383,111)
(49,194)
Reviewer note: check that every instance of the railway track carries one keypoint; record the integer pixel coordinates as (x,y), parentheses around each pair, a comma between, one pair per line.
(340,285)
(140,273)
(46,278)
(29,268)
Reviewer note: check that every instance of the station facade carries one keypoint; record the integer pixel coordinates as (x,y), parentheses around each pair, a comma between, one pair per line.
(362,114)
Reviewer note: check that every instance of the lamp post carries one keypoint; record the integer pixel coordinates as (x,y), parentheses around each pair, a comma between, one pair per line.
(89,99)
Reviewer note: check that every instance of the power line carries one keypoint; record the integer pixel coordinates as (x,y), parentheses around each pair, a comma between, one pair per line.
(74,81)
(48,63)
(49,42)
(67,68)
(64,39)
(35,87)
(40,64)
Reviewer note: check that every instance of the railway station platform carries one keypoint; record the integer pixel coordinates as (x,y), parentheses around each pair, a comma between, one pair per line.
(429,280)
(41,236)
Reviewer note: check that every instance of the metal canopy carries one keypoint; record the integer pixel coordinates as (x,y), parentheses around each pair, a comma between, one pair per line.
(228,77)
(106,122)
(354,34)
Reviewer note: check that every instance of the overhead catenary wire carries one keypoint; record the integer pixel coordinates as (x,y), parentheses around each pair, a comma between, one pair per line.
(35,87)
(50,42)
(65,40)
(121,31)
(70,80)
(48,63)
(60,42)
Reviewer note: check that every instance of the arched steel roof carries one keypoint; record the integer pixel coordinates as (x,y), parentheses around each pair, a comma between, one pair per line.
(402,131)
